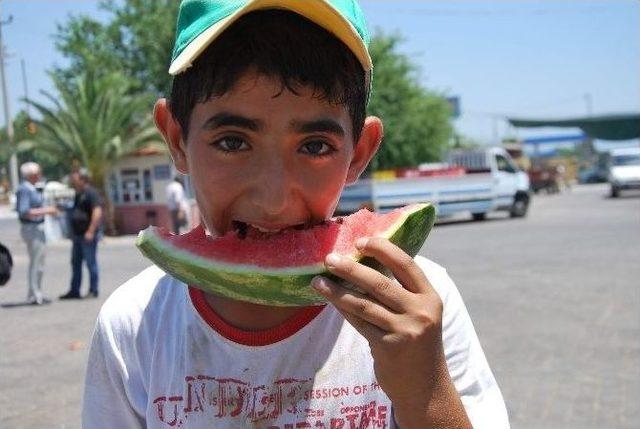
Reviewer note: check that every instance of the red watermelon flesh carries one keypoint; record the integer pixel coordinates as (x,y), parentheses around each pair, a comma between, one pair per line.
(288,248)
(277,268)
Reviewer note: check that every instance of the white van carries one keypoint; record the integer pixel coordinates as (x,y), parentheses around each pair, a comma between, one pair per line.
(624,170)
(488,181)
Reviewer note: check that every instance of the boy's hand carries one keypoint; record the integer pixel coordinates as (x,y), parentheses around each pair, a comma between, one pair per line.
(403,324)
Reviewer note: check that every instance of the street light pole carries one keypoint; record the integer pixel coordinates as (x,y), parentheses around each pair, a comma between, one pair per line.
(13,160)
(25,87)
(589,103)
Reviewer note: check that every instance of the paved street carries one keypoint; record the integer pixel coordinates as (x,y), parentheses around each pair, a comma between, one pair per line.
(554,297)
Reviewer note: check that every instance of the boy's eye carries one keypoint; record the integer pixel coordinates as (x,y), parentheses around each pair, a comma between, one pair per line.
(317,148)
(231,144)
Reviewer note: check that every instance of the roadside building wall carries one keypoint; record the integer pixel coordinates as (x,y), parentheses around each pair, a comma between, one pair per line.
(137,187)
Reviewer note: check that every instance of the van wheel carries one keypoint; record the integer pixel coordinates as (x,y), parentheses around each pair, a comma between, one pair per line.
(520,206)
(615,192)
(479,216)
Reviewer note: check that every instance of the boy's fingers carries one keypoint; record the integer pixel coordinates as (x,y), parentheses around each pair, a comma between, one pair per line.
(403,267)
(373,283)
(366,329)
(354,304)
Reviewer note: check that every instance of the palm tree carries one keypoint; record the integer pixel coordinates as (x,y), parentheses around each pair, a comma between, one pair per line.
(94,121)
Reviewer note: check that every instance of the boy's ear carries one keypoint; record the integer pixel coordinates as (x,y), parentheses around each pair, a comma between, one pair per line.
(366,147)
(172,133)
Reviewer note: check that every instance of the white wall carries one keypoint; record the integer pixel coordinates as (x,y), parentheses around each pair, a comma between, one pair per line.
(159,163)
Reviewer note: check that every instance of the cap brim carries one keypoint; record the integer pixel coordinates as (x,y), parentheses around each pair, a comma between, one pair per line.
(319,11)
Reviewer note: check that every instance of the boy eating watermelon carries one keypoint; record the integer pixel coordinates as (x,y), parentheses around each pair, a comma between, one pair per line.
(267,116)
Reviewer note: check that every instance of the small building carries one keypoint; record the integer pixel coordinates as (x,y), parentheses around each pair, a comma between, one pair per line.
(137,188)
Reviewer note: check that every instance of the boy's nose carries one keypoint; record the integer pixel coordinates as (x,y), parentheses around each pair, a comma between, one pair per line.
(274,189)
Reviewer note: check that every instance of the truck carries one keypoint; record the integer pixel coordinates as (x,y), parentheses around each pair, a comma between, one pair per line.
(623,167)
(476,181)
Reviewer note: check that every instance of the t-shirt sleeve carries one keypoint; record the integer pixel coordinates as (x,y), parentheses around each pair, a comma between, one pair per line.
(94,199)
(108,401)
(467,364)
(23,202)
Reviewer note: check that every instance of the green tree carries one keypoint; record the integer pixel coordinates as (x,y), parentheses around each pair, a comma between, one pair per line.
(93,122)
(25,129)
(135,39)
(416,120)
(464,142)
(20,131)
(7,149)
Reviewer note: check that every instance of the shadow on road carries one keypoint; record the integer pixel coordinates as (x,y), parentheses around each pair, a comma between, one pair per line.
(622,197)
(450,222)
(17,304)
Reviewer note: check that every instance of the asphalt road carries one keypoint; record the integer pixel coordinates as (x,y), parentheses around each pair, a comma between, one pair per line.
(555,298)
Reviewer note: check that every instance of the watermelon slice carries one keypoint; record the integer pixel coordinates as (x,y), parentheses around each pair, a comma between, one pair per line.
(276,269)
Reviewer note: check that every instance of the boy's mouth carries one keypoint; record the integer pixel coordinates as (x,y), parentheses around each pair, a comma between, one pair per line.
(251,230)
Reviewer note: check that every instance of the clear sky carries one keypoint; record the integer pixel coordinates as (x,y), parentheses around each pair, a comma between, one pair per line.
(519,58)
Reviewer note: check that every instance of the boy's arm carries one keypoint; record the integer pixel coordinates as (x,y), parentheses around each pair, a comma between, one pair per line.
(107,400)
(404,327)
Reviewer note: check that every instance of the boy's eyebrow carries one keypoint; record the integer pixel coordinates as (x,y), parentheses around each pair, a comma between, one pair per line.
(226,119)
(318,126)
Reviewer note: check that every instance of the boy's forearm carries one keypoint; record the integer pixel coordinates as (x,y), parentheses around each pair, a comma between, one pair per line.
(444,409)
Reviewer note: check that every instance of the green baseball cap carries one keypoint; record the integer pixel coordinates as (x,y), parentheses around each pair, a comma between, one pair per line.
(200,22)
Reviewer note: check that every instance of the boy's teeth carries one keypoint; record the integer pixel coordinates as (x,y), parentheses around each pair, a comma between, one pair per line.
(264,229)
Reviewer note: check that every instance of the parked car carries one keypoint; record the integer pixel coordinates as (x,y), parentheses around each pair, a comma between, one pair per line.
(624,170)
(591,174)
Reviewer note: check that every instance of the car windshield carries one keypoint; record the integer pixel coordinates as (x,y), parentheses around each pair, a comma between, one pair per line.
(626,160)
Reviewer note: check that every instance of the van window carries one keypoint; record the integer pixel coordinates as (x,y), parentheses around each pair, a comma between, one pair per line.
(504,164)
(626,160)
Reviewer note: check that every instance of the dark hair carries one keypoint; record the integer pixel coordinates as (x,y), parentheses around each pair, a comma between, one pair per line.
(83,174)
(278,44)
(6,265)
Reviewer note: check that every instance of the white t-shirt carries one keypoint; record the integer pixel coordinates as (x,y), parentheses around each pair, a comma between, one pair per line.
(175,196)
(160,358)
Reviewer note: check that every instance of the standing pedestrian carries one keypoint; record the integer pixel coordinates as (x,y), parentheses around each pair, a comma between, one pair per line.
(177,204)
(86,218)
(31,213)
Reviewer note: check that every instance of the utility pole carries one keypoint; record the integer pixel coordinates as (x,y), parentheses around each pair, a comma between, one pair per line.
(13,160)
(589,103)
(25,87)
(495,119)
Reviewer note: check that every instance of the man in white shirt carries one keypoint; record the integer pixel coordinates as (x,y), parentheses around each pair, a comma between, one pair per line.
(177,204)
(31,213)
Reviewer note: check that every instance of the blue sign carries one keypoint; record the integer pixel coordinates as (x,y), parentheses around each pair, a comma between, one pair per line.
(576,138)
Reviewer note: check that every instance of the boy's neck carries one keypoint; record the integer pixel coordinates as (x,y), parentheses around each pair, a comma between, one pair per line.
(247,316)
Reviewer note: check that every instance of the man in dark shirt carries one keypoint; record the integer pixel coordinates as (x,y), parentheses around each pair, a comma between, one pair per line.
(86,217)
(31,213)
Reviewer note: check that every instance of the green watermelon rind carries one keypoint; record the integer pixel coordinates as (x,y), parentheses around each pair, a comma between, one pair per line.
(274,286)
